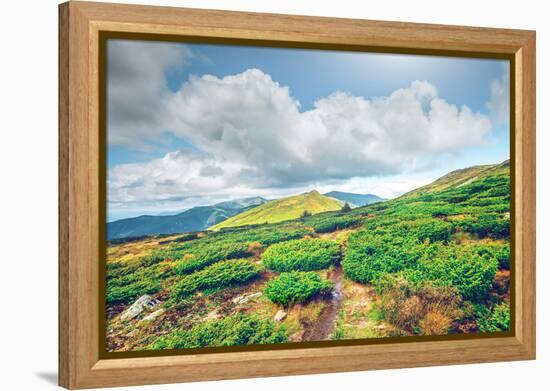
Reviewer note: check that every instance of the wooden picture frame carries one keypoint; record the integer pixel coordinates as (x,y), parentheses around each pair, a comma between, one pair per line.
(81,364)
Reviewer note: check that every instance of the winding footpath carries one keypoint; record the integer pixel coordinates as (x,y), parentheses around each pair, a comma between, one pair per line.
(324,326)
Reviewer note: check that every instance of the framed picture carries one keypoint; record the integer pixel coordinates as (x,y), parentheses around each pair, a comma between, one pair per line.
(247,195)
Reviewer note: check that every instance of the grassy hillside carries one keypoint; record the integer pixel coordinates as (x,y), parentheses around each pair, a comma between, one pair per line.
(461,177)
(282,209)
(435,261)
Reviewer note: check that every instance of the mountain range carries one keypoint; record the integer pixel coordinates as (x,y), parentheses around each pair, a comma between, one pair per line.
(257,210)
(234,213)
(354,199)
(195,219)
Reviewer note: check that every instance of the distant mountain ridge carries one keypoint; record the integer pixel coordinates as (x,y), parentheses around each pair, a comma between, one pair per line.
(257,210)
(195,219)
(354,199)
(282,209)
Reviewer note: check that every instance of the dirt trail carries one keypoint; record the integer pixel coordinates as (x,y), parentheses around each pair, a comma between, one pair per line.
(323,327)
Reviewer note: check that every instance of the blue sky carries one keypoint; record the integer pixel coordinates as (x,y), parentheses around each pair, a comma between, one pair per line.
(160,101)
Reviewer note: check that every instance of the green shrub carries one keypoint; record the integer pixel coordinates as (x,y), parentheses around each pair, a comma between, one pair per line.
(371,254)
(330,224)
(126,293)
(219,275)
(206,255)
(486,225)
(503,256)
(130,286)
(497,319)
(149,260)
(500,251)
(460,266)
(296,287)
(301,254)
(168,253)
(433,229)
(266,235)
(234,330)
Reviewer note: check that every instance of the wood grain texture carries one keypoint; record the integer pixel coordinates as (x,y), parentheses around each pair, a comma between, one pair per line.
(79,173)
(525,123)
(63,176)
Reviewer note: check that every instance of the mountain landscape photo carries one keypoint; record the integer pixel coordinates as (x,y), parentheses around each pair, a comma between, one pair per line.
(256,199)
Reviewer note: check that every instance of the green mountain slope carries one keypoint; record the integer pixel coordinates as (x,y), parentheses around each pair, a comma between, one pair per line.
(282,209)
(461,177)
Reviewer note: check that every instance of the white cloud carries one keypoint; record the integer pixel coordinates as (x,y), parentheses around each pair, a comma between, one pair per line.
(178,174)
(253,138)
(136,88)
(499,102)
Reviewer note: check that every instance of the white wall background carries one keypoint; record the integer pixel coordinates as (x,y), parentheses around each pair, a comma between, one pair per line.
(28,207)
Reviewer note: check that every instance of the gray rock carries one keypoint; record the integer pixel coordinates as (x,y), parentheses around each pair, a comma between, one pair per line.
(153,315)
(137,308)
(280,316)
(246,298)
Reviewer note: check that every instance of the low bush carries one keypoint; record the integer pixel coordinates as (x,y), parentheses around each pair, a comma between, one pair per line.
(486,225)
(460,266)
(296,287)
(433,230)
(234,330)
(371,254)
(503,256)
(301,254)
(151,259)
(330,224)
(202,256)
(266,235)
(500,251)
(130,286)
(219,275)
(496,319)
(126,293)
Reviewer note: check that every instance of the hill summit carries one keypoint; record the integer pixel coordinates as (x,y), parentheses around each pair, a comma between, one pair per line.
(282,209)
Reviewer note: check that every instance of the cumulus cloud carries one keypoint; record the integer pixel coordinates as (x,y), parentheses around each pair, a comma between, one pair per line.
(136,88)
(499,102)
(251,134)
(165,178)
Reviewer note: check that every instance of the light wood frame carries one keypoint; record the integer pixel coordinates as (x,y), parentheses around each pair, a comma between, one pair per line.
(80,23)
